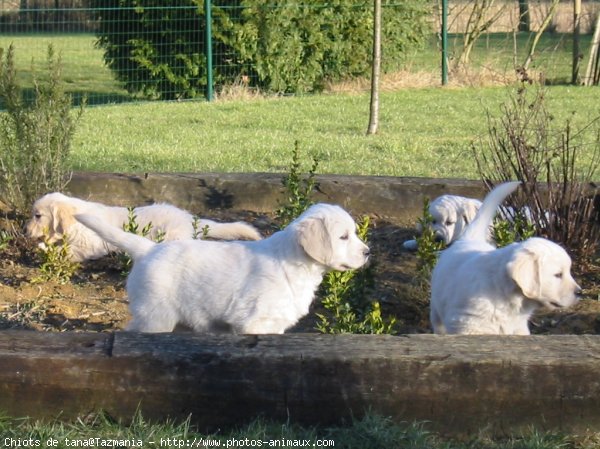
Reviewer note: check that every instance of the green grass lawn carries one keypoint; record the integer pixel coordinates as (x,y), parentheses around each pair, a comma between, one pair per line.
(84,71)
(496,52)
(422,132)
(371,432)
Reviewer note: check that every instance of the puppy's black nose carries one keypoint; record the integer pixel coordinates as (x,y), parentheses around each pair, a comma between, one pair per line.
(438,238)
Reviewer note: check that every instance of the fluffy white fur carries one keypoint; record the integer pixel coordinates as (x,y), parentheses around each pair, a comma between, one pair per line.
(241,287)
(479,289)
(53,217)
(451,214)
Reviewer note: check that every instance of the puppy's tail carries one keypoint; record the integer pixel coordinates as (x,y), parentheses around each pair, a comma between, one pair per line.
(479,227)
(238,230)
(135,245)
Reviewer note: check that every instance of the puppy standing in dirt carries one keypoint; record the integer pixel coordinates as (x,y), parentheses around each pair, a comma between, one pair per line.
(53,217)
(479,289)
(240,287)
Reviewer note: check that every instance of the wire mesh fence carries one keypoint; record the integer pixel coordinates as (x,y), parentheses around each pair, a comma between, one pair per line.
(114,53)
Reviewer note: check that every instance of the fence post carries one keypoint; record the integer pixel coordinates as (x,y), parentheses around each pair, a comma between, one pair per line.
(208,49)
(576,38)
(444,42)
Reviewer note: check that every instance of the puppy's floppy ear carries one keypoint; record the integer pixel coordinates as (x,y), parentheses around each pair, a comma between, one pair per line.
(313,236)
(63,217)
(524,268)
(468,212)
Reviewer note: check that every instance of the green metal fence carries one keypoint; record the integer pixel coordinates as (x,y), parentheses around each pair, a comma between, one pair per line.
(98,69)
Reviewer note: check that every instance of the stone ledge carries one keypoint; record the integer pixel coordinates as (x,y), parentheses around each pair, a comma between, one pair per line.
(397,198)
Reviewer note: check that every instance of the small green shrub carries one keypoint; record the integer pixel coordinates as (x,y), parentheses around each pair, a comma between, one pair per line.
(517,229)
(299,189)
(56,262)
(124,259)
(35,138)
(428,247)
(199,233)
(344,297)
(5,239)
(344,292)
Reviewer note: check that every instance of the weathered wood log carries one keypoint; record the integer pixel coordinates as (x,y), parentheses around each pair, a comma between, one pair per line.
(458,384)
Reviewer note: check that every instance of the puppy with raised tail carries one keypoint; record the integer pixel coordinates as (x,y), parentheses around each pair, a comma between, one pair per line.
(253,287)
(479,289)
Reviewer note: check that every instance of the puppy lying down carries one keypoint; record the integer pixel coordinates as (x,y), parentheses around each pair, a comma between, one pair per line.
(53,217)
(479,289)
(254,287)
(450,216)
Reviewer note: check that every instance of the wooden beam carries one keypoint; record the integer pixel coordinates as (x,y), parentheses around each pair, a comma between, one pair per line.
(459,384)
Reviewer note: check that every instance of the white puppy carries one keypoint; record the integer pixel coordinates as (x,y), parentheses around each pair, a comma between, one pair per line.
(478,289)
(53,217)
(241,287)
(450,216)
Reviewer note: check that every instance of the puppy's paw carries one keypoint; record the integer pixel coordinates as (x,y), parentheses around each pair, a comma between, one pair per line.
(410,245)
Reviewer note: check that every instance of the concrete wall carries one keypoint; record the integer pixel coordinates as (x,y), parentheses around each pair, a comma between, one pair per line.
(400,199)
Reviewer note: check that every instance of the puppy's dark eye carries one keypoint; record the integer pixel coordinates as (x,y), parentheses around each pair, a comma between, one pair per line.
(38,216)
(450,223)
(344,237)
(558,275)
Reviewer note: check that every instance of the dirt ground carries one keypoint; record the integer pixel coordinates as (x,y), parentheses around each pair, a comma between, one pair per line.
(95,299)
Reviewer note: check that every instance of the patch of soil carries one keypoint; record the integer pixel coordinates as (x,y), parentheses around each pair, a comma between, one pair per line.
(95,299)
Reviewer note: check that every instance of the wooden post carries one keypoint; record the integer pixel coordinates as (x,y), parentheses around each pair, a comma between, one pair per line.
(459,385)
(576,36)
(591,73)
(376,69)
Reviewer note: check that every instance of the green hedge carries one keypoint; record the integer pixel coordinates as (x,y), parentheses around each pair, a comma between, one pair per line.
(156,47)
(297,47)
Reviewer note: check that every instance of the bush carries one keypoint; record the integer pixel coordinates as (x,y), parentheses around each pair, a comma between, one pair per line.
(344,293)
(157,48)
(299,189)
(132,226)
(35,139)
(428,248)
(56,262)
(556,163)
(345,300)
(296,46)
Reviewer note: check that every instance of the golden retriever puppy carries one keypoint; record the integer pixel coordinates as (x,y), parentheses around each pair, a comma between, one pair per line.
(256,287)
(477,288)
(450,214)
(53,218)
